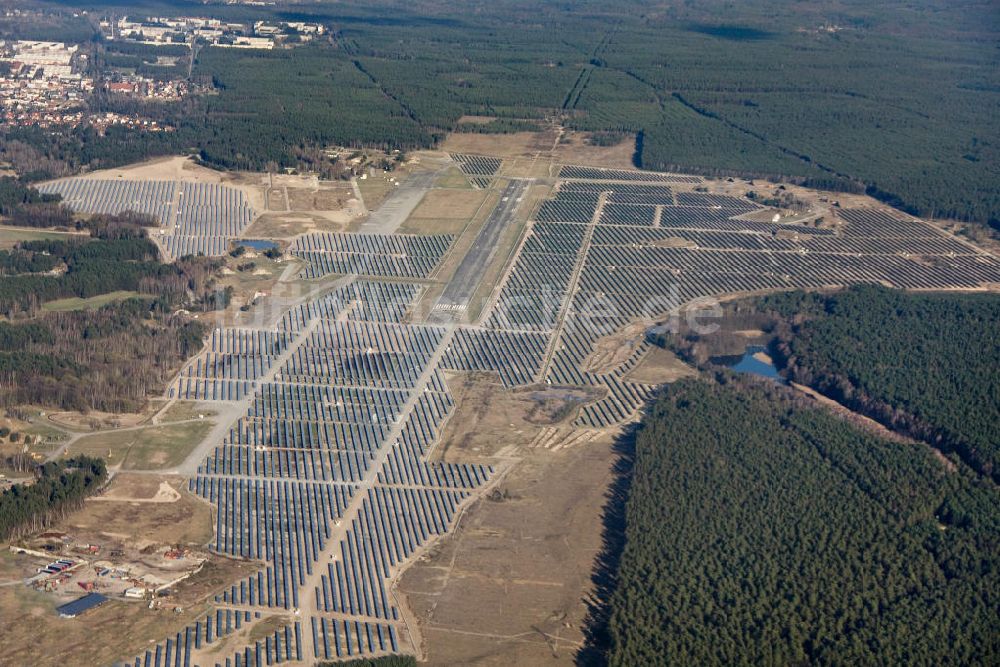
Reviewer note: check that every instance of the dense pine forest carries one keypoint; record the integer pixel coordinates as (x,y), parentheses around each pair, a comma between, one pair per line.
(926,364)
(762,531)
(890,98)
(59,488)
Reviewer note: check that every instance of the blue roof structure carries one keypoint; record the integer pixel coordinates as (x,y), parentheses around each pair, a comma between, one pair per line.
(80,605)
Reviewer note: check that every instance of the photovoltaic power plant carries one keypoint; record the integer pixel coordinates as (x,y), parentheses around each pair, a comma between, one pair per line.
(328,478)
(195,218)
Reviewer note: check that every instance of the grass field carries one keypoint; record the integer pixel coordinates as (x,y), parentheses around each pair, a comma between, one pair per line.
(91,303)
(153,448)
(453,178)
(444,211)
(184,410)
(9,236)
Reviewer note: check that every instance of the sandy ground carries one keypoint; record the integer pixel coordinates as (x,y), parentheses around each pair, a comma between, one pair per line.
(139,489)
(96,420)
(176,516)
(610,352)
(509,586)
(518,144)
(490,421)
(164,168)
(573,149)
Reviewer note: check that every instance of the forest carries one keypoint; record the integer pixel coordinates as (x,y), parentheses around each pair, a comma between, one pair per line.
(762,530)
(923,364)
(890,99)
(59,487)
(110,357)
(91,268)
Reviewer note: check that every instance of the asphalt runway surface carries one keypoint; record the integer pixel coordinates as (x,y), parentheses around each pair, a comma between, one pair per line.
(459,290)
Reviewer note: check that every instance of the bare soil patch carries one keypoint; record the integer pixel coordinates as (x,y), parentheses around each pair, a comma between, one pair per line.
(490,420)
(486,419)
(163,168)
(289,225)
(476,120)
(613,350)
(96,420)
(673,242)
(186,520)
(139,488)
(328,197)
(510,585)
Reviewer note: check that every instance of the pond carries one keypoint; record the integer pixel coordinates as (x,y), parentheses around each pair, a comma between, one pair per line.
(257,244)
(754,361)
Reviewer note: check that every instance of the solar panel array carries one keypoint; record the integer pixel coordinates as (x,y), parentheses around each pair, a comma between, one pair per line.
(625,250)
(195,218)
(480,169)
(602,174)
(385,255)
(328,477)
(228,367)
(183,649)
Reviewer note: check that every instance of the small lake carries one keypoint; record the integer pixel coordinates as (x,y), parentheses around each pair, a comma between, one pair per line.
(257,244)
(754,361)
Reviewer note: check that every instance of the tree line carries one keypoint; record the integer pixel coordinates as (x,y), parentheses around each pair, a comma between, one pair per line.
(59,488)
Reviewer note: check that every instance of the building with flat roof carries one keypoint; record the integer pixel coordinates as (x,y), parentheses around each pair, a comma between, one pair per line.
(80,605)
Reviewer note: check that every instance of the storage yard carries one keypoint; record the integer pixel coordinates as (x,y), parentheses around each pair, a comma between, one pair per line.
(346,464)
